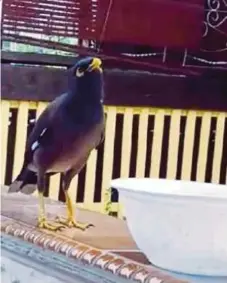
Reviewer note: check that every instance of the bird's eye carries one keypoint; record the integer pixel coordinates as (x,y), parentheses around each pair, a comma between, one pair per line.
(79,72)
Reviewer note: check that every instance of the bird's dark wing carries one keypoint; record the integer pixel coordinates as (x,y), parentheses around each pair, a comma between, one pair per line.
(42,131)
(26,180)
(102,138)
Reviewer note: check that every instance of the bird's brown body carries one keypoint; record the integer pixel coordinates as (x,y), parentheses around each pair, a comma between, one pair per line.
(65,156)
(69,150)
(64,136)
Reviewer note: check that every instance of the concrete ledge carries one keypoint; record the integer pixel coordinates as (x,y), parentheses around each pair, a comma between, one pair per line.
(78,253)
(106,253)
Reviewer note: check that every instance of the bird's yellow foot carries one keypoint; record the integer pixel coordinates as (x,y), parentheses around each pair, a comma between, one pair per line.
(70,222)
(42,223)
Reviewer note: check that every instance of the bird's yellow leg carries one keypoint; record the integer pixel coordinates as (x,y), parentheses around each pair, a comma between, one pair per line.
(42,222)
(70,221)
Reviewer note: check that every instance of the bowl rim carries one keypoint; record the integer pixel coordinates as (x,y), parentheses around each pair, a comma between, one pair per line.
(212,191)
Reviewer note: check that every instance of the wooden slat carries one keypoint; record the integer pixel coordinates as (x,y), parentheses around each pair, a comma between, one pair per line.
(34,58)
(203,147)
(108,153)
(21,135)
(5,111)
(188,146)
(226,176)
(126,147)
(54,186)
(126,142)
(174,137)
(218,148)
(116,209)
(157,143)
(39,83)
(40,108)
(90,178)
(142,144)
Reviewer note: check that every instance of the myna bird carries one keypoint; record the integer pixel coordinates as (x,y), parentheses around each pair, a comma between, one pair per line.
(63,137)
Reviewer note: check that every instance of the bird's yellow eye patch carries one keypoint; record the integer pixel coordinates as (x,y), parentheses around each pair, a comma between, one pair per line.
(95,65)
(79,73)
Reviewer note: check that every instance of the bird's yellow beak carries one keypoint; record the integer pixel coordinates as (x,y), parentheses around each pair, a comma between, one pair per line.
(95,65)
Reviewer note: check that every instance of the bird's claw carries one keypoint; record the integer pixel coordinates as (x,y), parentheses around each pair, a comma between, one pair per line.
(70,222)
(42,223)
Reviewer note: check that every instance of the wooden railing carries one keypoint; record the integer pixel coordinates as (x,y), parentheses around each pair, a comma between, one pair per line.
(174,144)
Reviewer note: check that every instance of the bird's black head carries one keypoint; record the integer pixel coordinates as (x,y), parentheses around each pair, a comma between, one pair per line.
(88,78)
(86,66)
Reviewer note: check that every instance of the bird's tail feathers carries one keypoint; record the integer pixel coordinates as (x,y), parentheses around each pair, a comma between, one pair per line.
(26,182)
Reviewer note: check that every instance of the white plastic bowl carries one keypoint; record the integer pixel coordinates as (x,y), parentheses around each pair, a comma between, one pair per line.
(180,226)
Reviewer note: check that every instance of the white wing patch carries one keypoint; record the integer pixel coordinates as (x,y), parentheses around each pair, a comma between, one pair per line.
(36,143)
(43,132)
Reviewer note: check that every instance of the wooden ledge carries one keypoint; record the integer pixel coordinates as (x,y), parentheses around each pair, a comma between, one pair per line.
(122,88)
(108,246)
